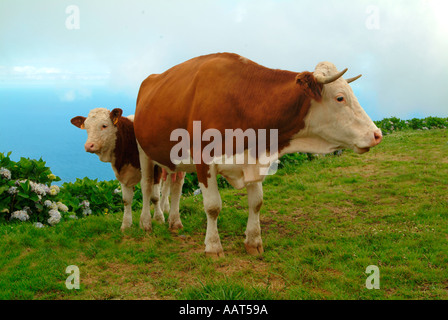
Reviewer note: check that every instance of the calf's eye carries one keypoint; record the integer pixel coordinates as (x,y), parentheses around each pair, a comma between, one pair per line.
(104,126)
(340,99)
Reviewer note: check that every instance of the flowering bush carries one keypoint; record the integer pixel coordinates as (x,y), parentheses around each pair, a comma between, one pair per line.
(86,197)
(389,125)
(26,192)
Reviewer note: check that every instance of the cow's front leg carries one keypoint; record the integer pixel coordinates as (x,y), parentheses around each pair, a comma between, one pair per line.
(147,182)
(128,195)
(177,181)
(155,199)
(253,242)
(212,207)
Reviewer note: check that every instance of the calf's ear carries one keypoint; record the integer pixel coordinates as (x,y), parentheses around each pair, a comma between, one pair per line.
(78,121)
(309,85)
(115,115)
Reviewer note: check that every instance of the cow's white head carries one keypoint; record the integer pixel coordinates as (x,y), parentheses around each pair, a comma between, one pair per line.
(101,129)
(335,118)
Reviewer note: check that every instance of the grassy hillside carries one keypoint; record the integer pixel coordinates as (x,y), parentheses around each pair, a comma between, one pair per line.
(323,223)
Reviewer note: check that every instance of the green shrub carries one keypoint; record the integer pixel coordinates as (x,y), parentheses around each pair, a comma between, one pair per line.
(86,196)
(26,192)
(389,125)
(191,183)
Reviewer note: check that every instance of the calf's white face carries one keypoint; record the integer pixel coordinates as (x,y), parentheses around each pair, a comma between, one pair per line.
(101,131)
(338,119)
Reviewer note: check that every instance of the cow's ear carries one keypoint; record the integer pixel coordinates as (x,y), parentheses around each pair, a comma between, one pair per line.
(78,121)
(115,115)
(309,84)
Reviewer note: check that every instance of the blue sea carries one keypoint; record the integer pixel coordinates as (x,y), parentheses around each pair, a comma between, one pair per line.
(35,123)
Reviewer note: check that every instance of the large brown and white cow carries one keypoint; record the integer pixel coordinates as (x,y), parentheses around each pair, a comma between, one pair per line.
(314,112)
(111,137)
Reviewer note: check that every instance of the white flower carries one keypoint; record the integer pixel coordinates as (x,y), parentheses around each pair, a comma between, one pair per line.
(51,204)
(38,225)
(18,182)
(5,173)
(55,217)
(62,207)
(72,216)
(13,190)
(54,190)
(53,220)
(117,190)
(85,204)
(197,191)
(38,188)
(54,213)
(21,215)
(86,211)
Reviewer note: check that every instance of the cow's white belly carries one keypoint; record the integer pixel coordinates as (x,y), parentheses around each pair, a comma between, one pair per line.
(238,170)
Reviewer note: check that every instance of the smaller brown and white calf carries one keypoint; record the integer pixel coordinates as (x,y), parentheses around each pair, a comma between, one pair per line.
(111,137)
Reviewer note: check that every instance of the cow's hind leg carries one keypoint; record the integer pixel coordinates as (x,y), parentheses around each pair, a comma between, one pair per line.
(253,242)
(165,205)
(128,195)
(147,182)
(212,207)
(155,199)
(176,191)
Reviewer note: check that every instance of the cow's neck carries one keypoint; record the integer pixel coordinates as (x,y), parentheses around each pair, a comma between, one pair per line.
(126,151)
(107,156)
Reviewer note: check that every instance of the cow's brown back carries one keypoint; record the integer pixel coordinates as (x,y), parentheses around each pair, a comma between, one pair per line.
(223,91)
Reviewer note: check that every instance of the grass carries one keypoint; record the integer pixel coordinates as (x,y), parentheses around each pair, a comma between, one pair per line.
(323,223)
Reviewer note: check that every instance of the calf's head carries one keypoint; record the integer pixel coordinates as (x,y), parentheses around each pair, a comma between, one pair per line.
(101,129)
(335,116)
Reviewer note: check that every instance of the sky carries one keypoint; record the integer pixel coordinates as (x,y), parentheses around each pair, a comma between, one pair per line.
(59,59)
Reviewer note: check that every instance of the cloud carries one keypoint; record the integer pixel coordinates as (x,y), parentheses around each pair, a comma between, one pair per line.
(75,94)
(403,60)
(27,74)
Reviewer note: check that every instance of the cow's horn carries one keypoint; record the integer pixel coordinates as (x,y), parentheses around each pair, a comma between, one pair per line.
(354,78)
(328,79)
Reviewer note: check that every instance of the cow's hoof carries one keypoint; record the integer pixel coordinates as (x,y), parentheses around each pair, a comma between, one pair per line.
(214,255)
(176,225)
(159,218)
(146,226)
(254,250)
(124,227)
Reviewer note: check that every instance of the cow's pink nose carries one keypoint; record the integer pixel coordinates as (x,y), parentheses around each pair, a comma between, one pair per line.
(378,136)
(89,147)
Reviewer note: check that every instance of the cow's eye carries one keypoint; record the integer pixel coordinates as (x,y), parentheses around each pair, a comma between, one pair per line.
(340,99)
(104,126)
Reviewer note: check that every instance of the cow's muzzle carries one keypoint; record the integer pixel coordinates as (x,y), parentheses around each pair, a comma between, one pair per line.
(376,140)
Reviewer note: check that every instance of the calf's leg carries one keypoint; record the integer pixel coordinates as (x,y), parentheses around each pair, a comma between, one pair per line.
(128,195)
